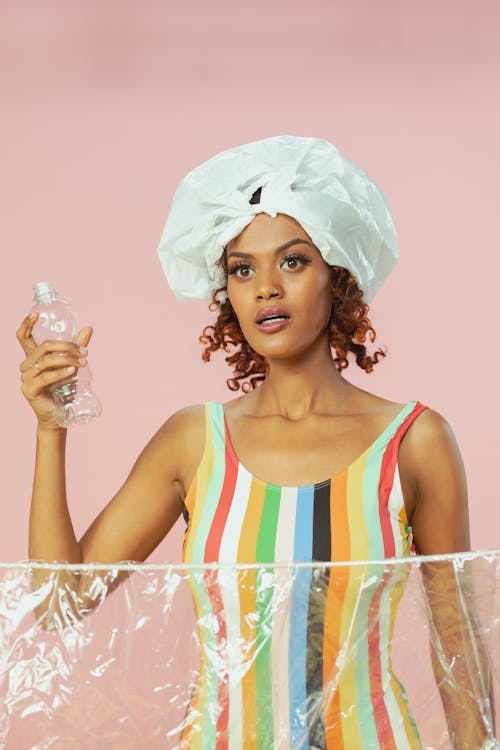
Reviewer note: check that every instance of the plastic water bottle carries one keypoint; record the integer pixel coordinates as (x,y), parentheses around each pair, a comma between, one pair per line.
(74,402)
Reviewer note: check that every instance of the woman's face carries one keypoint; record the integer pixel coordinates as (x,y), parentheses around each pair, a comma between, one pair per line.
(275,271)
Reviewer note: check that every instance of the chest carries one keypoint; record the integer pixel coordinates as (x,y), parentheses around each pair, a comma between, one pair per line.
(288,454)
(240,515)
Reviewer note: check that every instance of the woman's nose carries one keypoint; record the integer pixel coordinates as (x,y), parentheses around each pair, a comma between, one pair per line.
(268,287)
(268,291)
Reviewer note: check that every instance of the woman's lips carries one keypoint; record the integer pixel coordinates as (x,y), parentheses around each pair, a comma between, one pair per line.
(271,312)
(273,325)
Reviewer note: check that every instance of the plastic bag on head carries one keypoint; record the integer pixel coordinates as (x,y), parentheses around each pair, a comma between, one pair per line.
(344,212)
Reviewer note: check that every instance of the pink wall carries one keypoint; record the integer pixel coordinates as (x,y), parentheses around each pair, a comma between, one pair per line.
(105,106)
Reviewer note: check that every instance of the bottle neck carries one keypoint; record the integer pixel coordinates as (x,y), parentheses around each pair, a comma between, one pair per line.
(44,292)
(43,299)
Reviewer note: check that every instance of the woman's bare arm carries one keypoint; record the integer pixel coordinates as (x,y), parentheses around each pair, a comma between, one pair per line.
(140,514)
(147,505)
(431,461)
(128,528)
(150,501)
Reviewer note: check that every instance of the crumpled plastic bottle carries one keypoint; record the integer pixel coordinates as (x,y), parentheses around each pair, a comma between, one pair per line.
(74,401)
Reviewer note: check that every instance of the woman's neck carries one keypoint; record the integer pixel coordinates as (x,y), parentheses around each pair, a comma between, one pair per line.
(310,383)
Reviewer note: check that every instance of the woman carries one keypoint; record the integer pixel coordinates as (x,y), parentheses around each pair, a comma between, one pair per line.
(288,240)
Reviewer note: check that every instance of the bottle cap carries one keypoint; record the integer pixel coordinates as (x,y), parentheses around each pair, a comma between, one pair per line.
(42,290)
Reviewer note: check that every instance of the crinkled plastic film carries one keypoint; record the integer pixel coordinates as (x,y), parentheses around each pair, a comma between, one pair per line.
(260,656)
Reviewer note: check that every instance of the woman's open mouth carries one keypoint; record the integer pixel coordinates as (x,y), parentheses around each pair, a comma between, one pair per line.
(272,319)
(273,323)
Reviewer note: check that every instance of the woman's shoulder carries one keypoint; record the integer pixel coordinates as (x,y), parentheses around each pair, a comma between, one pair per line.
(429,429)
(187,423)
(428,445)
(187,414)
(430,432)
(433,471)
(185,435)
(430,421)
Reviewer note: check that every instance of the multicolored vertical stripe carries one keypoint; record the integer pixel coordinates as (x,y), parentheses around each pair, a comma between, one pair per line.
(317,673)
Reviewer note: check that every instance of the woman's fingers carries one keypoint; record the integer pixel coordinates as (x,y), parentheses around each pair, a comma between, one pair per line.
(48,363)
(23,333)
(33,386)
(84,335)
(56,350)
(53,361)
(28,343)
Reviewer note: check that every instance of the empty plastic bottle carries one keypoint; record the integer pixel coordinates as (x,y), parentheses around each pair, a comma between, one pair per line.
(74,402)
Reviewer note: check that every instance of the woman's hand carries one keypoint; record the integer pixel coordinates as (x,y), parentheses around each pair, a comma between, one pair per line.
(46,364)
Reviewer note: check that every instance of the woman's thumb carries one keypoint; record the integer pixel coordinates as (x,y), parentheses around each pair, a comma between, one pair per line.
(84,335)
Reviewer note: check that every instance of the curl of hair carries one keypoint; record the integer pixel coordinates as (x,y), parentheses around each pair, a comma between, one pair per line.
(349,327)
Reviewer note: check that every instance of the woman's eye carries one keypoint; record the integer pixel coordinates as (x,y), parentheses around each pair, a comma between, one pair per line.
(290,263)
(294,261)
(241,270)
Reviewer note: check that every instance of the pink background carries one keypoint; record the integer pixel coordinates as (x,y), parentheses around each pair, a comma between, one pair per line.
(105,107)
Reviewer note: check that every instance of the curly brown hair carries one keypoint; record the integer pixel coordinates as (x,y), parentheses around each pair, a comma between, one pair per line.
(349,326)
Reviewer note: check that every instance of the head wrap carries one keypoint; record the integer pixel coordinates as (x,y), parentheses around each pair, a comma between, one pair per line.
(344,212)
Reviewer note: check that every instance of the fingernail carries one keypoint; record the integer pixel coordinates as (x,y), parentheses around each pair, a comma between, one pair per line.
(82,350)
(33,315)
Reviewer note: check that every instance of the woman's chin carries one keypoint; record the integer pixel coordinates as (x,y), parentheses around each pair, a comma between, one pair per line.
(280,350)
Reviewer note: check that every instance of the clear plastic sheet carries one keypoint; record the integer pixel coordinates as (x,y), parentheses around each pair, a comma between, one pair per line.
(360,655)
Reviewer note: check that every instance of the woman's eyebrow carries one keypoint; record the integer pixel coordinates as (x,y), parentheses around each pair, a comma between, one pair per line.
(279,249)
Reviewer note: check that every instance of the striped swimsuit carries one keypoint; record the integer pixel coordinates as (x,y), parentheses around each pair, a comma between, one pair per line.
(297,658)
